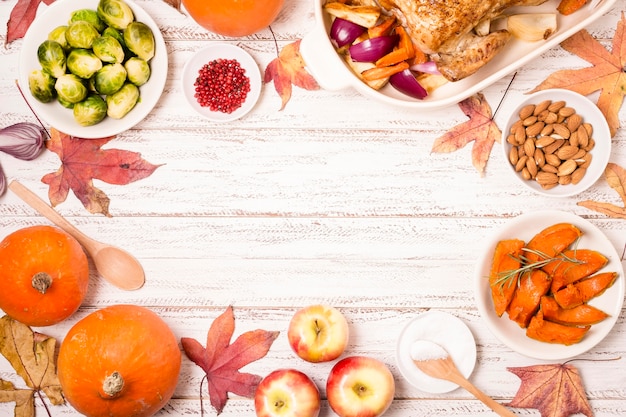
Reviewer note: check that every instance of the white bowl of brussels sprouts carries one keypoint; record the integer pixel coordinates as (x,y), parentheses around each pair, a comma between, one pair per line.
(93,68)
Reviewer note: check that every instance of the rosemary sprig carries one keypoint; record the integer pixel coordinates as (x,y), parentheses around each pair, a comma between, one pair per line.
(528,266)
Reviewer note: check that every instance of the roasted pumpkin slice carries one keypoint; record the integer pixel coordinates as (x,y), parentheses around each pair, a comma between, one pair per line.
(550,332)
(585,289)
(525,303)
(503,282)
(552,241)
(581,315)
(574,265)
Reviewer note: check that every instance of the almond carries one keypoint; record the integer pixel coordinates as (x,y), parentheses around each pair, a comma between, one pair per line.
(553,146)
(574,122)
(526,111)
(539,108)
(531,166)
(513,156)
(529,147)
(586,161)
(565,179)
(546,178)
(583,136)
(567,168)
(530,120)
(539,157)
(521,163)
(556,106)
(552,159)
(544,141)
(566,152)
(551,118)
(578,175)
(534,129)
(549,168)
(566,111)
(561,130)
(520,134)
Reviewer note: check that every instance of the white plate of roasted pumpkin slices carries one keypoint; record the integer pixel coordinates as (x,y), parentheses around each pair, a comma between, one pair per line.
(549,285)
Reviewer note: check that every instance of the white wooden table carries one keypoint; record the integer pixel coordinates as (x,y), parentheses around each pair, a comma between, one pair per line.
(336,200)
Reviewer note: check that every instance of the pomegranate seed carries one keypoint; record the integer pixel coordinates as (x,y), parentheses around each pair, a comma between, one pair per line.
(222,85)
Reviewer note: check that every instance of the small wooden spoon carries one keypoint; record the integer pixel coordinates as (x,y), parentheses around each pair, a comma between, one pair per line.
(114,265)
(434,361)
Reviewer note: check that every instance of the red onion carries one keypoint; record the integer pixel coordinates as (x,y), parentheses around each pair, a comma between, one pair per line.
(406,83)
(22,140)
(344,32)
(371,50)
(429,67)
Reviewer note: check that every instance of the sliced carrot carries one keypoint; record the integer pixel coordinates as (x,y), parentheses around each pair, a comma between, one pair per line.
(526,299)
(377,73)
(392,58)
(547,331)
(581,315)
(570,6)
(584,290)
(384,28)
(506,258)
(585,263)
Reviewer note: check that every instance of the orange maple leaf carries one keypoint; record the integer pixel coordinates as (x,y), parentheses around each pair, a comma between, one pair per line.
(616,177)
(288,69)
(82,160)
(607,73)
(480,129)
(221,360)
(554,390)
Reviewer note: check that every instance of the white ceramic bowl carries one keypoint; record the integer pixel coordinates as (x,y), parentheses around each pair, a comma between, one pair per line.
(507,331)
(333,74)
(601,135)
(224,51)
(62,119)
(446,330)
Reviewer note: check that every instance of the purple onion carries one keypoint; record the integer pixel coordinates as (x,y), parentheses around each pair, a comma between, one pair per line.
(371,50)
(406,83)
(344,32)
(429,67)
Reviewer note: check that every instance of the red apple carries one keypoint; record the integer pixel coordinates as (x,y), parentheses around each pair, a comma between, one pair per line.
(360,386)
(287,393)
(318,333)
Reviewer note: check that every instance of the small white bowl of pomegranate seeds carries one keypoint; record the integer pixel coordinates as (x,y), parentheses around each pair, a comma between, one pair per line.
(222,82)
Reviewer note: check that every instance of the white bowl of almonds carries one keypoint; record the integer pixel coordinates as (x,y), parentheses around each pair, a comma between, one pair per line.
(557,142)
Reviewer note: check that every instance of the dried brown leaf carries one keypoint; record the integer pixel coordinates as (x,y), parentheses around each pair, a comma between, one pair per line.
(32,356)
(480,129)
(606,75)
(615,176)
(555,390)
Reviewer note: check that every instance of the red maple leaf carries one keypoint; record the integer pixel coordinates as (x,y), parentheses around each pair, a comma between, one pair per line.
(288,69)
(607,74)
(21,17)
(82,160)
(554,390)
(221,360)
(480,129)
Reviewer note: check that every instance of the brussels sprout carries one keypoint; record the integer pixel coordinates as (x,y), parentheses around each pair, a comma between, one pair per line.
(139,38)
(90,111)
(138,71)
(52,58)
(65,103)
(115,13)
(120,103)
(71,88)
(41,85)
(110,78)
(83,63)
(81,34)
(90,16)
(58,34)
(108,49)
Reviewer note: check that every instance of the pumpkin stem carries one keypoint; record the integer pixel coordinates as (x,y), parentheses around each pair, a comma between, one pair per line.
(113,384)
(41,282)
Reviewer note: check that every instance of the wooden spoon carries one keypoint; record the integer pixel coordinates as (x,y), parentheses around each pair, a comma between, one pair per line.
(434,361)
(114,265)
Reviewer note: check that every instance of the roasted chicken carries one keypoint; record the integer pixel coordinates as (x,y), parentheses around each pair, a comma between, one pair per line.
(444,29)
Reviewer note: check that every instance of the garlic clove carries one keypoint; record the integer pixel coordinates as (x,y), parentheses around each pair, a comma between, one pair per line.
(532,27)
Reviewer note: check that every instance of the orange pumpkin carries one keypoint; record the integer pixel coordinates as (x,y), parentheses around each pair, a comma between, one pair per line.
(44,275)
(233,17)
(120,361)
